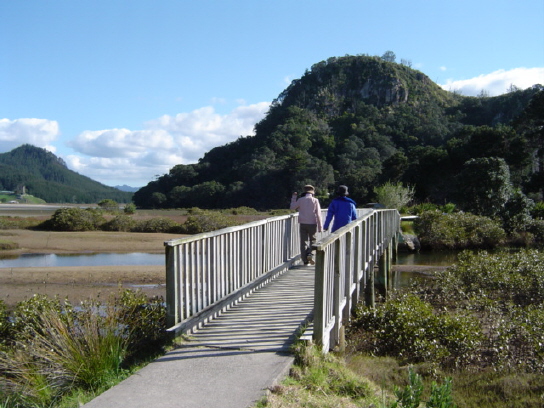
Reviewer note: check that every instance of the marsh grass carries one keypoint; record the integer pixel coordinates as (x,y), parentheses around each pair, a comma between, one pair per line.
(56,351)
(7,245)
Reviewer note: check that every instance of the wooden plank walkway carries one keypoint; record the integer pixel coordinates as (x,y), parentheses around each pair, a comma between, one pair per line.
(230,361)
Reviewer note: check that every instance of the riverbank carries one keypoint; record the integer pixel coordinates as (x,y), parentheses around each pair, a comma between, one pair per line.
(81,283)
(98,282)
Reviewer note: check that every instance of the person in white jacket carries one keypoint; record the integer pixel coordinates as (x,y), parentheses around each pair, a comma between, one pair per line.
(309,219)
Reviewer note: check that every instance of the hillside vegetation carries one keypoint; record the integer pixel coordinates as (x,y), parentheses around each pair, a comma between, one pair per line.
(363,121)
(46,176)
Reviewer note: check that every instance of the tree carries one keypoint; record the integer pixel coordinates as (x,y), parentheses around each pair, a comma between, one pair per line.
(389,56)
(394,196)
(108,204)
(484,186)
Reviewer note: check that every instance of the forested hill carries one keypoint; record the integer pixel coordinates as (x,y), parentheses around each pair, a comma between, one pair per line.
(362,121)
(46,176)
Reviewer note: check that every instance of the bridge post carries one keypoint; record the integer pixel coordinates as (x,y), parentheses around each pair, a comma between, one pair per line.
(381,281)
(370,290)
(173,308)
(320,295)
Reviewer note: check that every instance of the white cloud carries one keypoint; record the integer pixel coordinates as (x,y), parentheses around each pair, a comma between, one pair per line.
(497,82)
(135,157)
(37,132)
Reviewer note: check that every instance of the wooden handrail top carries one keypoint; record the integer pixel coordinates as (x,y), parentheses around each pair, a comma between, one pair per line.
(327,240)
(227,230)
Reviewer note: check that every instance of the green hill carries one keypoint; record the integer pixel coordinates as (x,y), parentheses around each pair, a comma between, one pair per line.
(362,121)
(46,176)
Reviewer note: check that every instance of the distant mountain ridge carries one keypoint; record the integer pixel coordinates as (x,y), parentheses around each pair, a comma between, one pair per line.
(46,176)
(129,189)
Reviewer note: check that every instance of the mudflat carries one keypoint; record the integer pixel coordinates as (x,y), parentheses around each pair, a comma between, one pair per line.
(77,284)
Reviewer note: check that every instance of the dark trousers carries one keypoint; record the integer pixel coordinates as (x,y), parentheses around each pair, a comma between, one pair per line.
(307,239)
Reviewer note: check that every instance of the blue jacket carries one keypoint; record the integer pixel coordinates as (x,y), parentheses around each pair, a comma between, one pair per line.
(343,210)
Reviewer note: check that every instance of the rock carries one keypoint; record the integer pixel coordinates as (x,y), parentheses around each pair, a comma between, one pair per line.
(409,243)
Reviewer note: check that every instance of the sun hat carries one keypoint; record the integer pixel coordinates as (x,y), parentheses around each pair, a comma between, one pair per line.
(309,189)
(342,191)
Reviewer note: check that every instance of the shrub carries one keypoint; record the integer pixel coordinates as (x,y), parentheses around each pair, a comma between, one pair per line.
(206,221)
(130,208)
(538,211)
(109,205)
(516,277)
(457,231)
(75,219)
(407,327)
(121,222)
(242,211)
(516,213)
(157,224)
(394,195)
(419,208)
(145,318)
(506,290)
(536,228)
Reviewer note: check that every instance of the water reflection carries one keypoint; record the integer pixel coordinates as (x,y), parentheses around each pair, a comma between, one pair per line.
(436,258)
(87,259)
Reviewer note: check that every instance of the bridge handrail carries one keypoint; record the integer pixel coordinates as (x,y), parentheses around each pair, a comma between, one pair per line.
(207,273)
(345,263)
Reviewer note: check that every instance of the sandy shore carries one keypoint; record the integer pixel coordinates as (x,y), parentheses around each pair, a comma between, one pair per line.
(80,283)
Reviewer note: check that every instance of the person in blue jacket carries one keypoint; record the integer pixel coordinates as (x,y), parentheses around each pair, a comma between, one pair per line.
(342,209)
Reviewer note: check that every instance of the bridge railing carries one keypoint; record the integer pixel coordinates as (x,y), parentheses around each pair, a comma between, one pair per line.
(207,273)
(345,262)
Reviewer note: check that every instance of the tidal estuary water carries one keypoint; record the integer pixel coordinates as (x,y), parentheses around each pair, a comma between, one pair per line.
(90,259)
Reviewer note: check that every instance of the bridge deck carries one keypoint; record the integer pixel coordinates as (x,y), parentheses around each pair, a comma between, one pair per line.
(232,360)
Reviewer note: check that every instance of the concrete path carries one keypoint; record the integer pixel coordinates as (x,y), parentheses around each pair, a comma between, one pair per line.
(231,361)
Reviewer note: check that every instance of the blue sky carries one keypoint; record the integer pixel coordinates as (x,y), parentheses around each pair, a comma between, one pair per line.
(125,90)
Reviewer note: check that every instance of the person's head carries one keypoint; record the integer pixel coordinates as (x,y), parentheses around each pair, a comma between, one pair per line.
(308,189)
(342,191)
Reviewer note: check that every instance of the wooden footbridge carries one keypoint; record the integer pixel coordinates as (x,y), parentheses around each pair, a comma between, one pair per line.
(208,274)
(241,297)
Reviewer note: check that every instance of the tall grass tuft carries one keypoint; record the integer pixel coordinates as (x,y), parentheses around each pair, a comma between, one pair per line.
(57,348)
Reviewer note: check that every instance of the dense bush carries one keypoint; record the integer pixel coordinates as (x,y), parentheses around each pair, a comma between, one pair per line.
(408,328)
(457,231)
(108,205)
(435,322)
(538,211)
(505,277)
(516,213)
(130,208)
(75,219)
(536,228)
(206,221)
(158,224)
(418,209)
(506,291)
(121,222)
(241,211)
